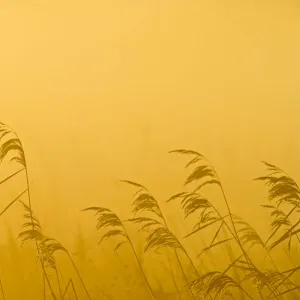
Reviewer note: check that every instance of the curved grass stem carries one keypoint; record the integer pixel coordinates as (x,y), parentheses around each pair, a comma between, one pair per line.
(139,263)
(79,276)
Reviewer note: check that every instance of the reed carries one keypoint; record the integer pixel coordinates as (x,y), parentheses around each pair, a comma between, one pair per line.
(241,278)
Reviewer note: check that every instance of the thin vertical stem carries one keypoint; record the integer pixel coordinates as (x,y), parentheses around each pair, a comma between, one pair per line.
(2,291)
(182,248)
(44,287)
(184,276)
(235,234)
(30,206)
(79,276)
(139,263)
(174,281)
(37,247)
(12,202)
(231,257)
(190,260)
(23,162)
(177,257)
(58,282)
(73,287)
(66,289)
(62,277)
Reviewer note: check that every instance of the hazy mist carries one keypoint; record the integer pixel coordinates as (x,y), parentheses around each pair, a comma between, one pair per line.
(101,91)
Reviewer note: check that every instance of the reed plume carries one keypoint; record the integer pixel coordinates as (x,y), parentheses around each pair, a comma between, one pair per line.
(283,194)
(159,234)
(46,246)
(205,174)
(108,219)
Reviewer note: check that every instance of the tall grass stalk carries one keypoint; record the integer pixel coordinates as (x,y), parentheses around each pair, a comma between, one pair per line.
(70,283)
(145,201)
(107,218)
(284,198)
(2,290)
(14,145)
(207,175)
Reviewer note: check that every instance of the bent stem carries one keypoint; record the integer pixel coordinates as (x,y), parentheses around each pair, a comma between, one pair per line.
(63,281)
(58,282)
(73,288)
(184,276)
(70,282)
(139,263)
(66,289)
(190,260)
(231,257)
(37,247)
(174,281)
(176,254)
(22,160)
(79,276)
(177,257)
(237,239)
(235,234)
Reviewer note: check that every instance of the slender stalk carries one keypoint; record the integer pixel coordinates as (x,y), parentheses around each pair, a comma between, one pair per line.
(58,282)
(246,293)
(287,216)
(166,226)
(66,289)
(239,284)
(37,247)
(79,276)
(73,288)
(190,260)
(31,216)
(174,281)
(236,238)
(235,235)
(177,257)
(2,291)
(234,232)
(44,287)
(11,203)
(285,279)
(184,276)
(288,291)
(182,248)
(231,257)
(210,257)
(11,176)
(278,227)
(62,277)
(185,252)
(233,225)
(139,263)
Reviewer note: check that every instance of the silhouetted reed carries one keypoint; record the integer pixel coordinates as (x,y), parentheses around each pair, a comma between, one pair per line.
(107,219)
(248,280)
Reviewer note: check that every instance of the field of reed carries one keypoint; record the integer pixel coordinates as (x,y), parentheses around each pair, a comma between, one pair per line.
(142,256)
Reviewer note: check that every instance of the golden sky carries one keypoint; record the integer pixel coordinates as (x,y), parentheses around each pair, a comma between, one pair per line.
(101,90)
